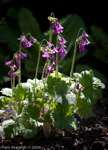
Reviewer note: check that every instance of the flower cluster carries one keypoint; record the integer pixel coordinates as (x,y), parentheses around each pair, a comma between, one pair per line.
(14,72)
(27,43)
(57,27)
(83,41)
(61,46)
(49,51)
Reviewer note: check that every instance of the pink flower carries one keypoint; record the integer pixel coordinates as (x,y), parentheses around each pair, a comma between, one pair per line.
(26,45)
(80,87)
(87,42)
(32,40)
(23,55)
(15,67)
(84,35)
(82,48)
(46,55)
(57,28)
(62,52)
(51,68)
(63,41)
(23,39)
(8,63)
(49,44)
(53,59)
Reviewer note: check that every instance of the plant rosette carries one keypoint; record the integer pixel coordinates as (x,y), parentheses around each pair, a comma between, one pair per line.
(55,98)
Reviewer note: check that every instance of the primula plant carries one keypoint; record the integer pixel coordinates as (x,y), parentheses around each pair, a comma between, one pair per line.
(55,98)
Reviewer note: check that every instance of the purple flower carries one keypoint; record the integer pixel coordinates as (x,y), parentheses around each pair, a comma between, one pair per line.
(57,28)
(82,44)
(49,44)
(32,40)
(87,42)
(46,55)
(80,87)
(17,63)
(26,45)
(53,59)
(54,51)
(63,41)
(62,52)
(23,39)
(15,67)
(14,74)
(81,48)
(9,73)
(23,55)
(8,63)
(84,35)
(51,68)
(18,57)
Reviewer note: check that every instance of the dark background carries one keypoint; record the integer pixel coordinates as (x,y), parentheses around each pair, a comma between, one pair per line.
(93,12)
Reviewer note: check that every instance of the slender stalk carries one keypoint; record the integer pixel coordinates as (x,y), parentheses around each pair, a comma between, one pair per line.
(45,69)
(37,70)
(73,61)
(75,49)
(56,72)
(50,38)
(19,79)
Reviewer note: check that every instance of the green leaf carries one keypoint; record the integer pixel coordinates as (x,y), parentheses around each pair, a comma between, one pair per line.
(6,91)
(84,109)
(51,81)
(21,91)
(86,78)
(27,129)
(9,128)
(33,112)
(61,88)
(62,120)
(62,95)
(100,36)
(97,82)
(8,35)
(5,102)
(28,23)
(80,67)
(92,87)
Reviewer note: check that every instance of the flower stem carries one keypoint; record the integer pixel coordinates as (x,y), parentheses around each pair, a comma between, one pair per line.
(50,38)
(37,70)
(56,72)
(19,79)
(75,49)
(73,61)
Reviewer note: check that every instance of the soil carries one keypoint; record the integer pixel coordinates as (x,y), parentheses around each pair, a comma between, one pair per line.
(92,133)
